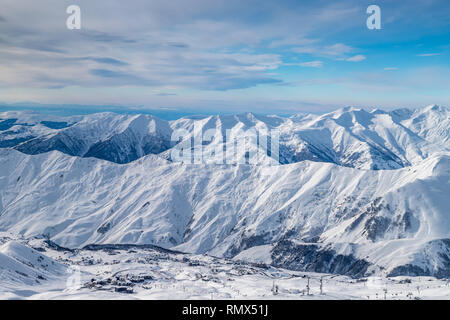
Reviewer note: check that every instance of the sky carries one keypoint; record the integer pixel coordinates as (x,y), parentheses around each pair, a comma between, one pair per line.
(224,56)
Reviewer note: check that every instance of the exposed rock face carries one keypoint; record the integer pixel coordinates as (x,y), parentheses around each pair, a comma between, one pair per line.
(434,258)
(316,258)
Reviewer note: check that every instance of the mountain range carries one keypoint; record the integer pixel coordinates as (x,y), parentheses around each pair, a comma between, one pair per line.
(355,192)
(348,137)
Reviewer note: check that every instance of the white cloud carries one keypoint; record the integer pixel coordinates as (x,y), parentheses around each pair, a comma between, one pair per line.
(428,54)
(337,49)
(312,64)
(203,44)
(390,68)
(356,58)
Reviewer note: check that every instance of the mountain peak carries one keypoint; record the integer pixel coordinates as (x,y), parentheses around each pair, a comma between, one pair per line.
(434,108)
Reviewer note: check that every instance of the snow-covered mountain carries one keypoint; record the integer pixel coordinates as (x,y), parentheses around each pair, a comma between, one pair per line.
(326,215)
(388,219)
(108,136)
(349,137)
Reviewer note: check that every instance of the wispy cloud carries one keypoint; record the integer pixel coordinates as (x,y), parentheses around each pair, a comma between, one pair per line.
(105,60)
(198,49)
(310,64)
(356,58)
(165,94)
(428,54)
(335,50)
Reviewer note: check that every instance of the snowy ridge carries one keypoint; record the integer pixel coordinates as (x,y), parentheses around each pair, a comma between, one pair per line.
(349,137)
(108,136)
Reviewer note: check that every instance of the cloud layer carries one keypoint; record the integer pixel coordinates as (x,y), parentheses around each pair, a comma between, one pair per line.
(188,49)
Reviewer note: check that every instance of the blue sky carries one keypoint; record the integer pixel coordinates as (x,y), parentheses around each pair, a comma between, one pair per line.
(211,56)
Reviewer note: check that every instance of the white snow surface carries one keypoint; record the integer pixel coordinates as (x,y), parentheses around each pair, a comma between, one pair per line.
(137,273)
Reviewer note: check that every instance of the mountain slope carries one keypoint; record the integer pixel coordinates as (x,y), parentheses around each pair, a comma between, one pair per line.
(380,220)
(108,136)
(22,265)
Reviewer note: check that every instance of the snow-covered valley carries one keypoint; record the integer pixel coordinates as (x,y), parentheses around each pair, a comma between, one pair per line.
(133,272)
